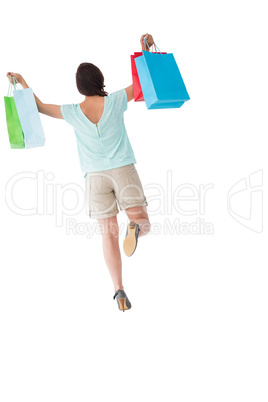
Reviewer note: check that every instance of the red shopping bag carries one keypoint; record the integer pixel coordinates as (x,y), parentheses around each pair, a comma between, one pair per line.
(138,95)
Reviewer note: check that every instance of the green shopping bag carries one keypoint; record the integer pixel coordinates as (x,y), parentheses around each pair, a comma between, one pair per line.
(15,133)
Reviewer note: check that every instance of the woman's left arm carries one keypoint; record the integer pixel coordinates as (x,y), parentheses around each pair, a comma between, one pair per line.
(49,110)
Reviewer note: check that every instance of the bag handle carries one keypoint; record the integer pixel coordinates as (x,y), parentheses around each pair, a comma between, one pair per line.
(9,90)
(10,85)
(14,78)
(155,47)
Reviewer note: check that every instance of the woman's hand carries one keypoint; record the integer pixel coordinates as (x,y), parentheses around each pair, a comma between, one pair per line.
(18,77)
(49,110)
(149,39)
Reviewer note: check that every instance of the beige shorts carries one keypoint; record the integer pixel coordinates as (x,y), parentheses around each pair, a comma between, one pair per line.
(105,189)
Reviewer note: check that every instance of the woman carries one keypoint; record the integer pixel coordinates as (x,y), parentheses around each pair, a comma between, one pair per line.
(107,161)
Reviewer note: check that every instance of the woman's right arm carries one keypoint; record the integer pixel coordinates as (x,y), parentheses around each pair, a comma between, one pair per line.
(150,41)
(129,91)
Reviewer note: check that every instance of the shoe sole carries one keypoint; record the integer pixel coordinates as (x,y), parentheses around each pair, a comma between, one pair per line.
(130,242)
(123,304)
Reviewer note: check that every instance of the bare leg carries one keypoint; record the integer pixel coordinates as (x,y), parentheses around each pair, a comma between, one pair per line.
(140,216)
(111,251)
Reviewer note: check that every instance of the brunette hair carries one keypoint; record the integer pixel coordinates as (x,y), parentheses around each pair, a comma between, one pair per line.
(90,80)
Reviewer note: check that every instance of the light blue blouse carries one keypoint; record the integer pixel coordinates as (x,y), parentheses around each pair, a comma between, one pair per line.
(104,145)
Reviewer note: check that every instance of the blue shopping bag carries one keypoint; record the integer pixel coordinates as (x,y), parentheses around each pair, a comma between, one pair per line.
(161,81)
(29,117)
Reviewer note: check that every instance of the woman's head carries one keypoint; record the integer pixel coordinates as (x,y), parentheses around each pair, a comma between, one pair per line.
(90,80)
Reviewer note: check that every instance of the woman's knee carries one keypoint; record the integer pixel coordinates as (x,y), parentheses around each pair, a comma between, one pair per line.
(137,213)
(147,226)
(109,227)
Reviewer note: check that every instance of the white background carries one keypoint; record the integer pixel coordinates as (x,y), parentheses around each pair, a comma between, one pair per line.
(198,327)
